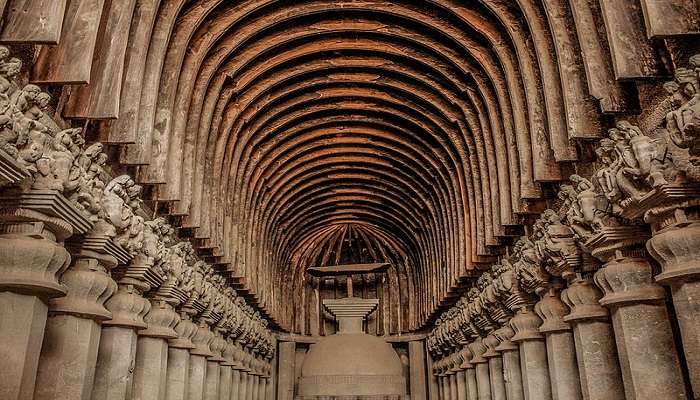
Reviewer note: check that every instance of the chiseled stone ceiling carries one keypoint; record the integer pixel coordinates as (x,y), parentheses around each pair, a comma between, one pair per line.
(433,130)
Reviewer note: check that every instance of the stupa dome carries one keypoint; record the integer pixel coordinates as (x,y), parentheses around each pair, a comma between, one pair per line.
(352,363)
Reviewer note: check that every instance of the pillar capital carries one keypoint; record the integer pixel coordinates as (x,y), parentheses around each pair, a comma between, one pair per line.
(477,349)
(466,356)
(628,280)
(161,320)
(675,245)
(582,297)
(89,286)
(491,342)
(128,308)
(217,346)
(552,311)
(186,330)
(202,340)
(526,325)
(504,335)
(31,263)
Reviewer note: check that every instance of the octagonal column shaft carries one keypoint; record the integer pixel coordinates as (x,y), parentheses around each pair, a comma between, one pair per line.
(72,337)
(469,374)
(31,260)
(513,375)
(561,351)
(446,387)
(596,356)
(251,389)
(235,383)
(472,387)
(116,354)
(648,358)
(197,375)
(177,375)
(256,387)
(452,379)
(498,387)
(152,352)
(224,382)
(483,380)
(264,383)
(510,353)
(461,378)
(243,387)
(533,355)
(211,382)
(198,361)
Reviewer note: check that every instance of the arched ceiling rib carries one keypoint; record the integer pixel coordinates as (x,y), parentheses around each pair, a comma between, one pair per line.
(426,128)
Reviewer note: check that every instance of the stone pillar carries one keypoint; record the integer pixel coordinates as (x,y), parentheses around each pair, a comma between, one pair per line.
(71,340)
(152,352)
(117,351)
(675,245)
(498,386)
(211,381)
(198,361)
(469,374)
(256,387)
(561,351)
(250,387)
(533,355)
(461,377)
(442,382)
(444,386)
(235,383)
(32,258)
(483,380)
(452,381)
(433,387)
(224,382)
(271,375)
(650,366)
(177,374)
(243,387)
(213,376)
(264,382)
(285,376)
(598,366)
(226,372)
(416,361)
(510,353)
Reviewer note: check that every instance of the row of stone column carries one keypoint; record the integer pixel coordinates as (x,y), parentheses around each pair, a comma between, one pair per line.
(577,310)
(580,344)
(82,336)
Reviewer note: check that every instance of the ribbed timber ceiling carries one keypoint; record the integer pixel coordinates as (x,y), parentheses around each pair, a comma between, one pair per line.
(425,127)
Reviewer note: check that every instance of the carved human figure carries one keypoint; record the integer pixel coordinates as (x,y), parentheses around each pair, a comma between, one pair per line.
(20,118)
(557,248)
(115,209)
(89,191)
(66,174)
(529,269)
(634,164)
(9,69)
(683,122)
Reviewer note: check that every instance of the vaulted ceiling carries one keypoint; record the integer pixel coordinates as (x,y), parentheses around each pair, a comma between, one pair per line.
(272,128)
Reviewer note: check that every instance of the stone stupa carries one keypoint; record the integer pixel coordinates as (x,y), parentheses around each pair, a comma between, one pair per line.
(351,364)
